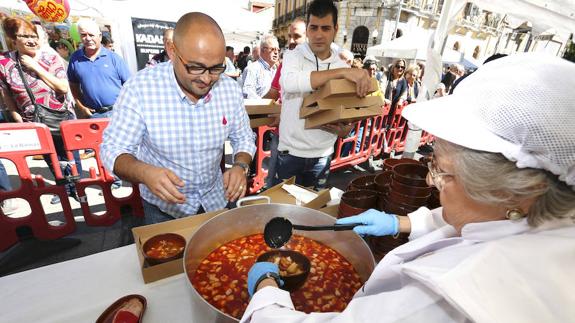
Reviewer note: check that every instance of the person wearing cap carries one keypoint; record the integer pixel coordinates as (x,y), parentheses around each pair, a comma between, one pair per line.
(505,167)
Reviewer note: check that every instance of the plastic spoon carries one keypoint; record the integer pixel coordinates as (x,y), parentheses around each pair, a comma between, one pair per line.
(278,231)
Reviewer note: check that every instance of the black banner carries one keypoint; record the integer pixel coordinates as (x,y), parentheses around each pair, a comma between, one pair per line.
(149,38)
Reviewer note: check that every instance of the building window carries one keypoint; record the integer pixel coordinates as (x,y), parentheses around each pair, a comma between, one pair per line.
(456,46)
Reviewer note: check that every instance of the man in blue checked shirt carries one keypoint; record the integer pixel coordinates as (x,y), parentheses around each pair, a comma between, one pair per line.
(170,123)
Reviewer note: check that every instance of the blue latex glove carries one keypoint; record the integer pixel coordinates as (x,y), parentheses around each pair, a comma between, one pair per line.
(376,223)
(258,270)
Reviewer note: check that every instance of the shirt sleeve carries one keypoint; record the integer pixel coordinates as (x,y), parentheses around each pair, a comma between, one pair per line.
(56,67)
(411,303)
(276,81)
(122,68)
(242,138)
(250,84)
(293,78)
(125,130)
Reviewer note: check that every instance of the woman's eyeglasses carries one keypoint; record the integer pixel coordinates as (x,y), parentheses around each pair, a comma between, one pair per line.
(198,69)
(400,67)
(437,176)
(27,36)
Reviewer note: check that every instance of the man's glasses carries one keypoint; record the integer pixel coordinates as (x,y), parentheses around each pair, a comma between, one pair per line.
(200,70)
(437,176)
(272,50)
(27,36)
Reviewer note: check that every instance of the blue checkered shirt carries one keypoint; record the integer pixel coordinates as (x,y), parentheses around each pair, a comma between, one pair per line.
(154,121)
(258,79)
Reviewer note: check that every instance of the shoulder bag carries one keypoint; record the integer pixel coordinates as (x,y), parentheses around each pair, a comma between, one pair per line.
(42,113)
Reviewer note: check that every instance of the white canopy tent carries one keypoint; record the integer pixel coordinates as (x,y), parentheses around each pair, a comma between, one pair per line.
(240,26)
(408,46)
(543,15)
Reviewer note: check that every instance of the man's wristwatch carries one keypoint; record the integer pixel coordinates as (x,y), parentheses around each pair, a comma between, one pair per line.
(244,166)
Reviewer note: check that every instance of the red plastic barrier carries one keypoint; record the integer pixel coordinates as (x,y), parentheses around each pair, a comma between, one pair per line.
(258,180)
(18,140)
(87,134)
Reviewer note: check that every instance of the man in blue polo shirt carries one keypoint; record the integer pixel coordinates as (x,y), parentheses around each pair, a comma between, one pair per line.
(95,73)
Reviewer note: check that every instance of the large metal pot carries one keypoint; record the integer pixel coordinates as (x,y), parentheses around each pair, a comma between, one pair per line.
(251,219)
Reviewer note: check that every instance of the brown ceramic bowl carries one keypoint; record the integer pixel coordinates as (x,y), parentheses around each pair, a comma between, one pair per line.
(163,248)
(383,180)
(346,210)
(398,208)
(366,182)
(362,199)
(389,163)
(292,281)
(409,190)
(411,174)
(407,199)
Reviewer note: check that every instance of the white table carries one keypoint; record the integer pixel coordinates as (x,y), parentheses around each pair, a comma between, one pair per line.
(80,290)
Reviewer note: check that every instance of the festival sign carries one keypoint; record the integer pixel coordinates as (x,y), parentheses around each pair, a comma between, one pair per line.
(149,38)
(50,10)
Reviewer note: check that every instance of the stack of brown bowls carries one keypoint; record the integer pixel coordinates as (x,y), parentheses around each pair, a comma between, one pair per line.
(355,202)
(408,190)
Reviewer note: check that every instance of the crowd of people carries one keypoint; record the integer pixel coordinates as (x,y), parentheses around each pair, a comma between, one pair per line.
(503,159)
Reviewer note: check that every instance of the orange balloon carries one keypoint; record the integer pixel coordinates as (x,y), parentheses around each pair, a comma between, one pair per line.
(50,10)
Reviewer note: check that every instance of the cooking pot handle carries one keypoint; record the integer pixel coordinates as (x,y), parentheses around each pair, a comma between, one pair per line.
(253,198)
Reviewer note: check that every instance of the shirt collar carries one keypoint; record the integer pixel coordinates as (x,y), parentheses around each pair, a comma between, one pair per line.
(264,64)
(203,100)
(492,230)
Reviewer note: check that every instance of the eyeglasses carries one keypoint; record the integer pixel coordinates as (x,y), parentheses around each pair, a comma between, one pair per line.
(437,176)
(400,66)
(272,49)
(27,36)
(200,70)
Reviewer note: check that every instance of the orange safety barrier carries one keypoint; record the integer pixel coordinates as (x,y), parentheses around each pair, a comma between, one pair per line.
(87,134)
(17,141)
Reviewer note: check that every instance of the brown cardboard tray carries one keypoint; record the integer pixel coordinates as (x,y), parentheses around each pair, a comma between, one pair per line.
(341,114)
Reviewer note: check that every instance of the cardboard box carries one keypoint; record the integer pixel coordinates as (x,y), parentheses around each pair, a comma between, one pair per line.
(184,226)
(345,102)
(262,121)
(341,114)
(261,107)
(330,210)
(336,88)
(279,195)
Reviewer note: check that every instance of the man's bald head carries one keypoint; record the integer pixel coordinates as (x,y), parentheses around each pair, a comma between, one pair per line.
(195,25)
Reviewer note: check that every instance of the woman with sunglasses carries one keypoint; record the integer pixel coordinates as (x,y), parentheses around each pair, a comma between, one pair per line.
(45,76)
(395,74)
(505,167)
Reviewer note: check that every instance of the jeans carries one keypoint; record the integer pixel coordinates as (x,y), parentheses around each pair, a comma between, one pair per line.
(4,179)
(271,179)
(308,171)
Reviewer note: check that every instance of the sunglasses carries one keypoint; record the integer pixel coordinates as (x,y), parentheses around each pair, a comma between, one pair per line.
(400,66)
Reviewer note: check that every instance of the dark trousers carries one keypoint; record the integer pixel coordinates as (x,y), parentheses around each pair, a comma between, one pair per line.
(309,172)
(64,162)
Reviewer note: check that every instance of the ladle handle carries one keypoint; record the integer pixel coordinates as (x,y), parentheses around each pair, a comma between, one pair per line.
(335,227)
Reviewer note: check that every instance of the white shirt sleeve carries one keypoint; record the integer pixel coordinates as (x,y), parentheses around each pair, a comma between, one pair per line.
(412,303)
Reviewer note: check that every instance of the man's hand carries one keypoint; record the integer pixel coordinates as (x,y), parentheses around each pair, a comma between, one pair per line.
(341,129)
(361,79)
(164,184)
(235,183)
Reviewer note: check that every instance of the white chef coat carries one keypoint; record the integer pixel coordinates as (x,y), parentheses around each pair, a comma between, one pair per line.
(498,271)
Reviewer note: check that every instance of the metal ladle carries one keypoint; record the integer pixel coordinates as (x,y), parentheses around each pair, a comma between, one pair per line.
(278,230)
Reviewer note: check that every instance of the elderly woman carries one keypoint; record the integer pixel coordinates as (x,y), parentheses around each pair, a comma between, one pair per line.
(407,87)
(505,167)
(46,79)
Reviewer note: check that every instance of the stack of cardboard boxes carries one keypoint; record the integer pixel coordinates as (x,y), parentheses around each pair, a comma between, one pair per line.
(337,101)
